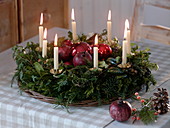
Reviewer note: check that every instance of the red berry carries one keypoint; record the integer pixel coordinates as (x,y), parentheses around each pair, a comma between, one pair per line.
(138,118)
(155,113)
(142,101)
(134,109)
(136,94)
(138,97)
(133,118)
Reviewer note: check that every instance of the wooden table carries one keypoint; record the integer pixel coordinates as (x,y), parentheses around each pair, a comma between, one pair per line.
(81,117)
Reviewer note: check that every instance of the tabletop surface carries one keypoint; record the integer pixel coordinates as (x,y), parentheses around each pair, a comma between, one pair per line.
(19,111)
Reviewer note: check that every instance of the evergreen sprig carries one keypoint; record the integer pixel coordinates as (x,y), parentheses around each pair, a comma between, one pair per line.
(146,112)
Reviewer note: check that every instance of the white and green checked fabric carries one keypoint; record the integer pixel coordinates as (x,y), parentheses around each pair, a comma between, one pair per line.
(22,111)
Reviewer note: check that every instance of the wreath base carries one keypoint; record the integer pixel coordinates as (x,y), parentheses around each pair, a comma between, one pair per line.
(52,100)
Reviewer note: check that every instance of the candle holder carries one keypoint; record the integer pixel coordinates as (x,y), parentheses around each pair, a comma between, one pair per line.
(127,65)
(95,69)
(54,71)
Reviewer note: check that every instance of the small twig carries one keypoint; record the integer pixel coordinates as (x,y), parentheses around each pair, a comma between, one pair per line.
(109,123)
(147,104)
(133,121)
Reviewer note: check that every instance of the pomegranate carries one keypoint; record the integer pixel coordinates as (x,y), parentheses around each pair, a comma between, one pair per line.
(81,47)
(120,110)
(82,58)
(68,63)
(65,53)
(67,43)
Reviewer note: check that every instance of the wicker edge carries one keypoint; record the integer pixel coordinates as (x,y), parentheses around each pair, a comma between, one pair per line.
(52,100)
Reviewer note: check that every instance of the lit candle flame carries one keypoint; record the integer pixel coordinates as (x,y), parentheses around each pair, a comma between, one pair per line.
(109,15)
(41,19)
(45,33)
(72,14)
(126,28)
(55,40)
(127,24)
(96,40)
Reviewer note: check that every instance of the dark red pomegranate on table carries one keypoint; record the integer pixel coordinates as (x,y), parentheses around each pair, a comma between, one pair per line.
(81,47)
(82,58)
(120,110)
(104,51)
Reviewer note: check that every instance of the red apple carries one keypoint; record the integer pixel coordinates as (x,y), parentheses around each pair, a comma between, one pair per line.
(82,58)
(81,47)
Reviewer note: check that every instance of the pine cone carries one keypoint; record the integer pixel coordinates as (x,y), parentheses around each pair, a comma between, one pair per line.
(161,101)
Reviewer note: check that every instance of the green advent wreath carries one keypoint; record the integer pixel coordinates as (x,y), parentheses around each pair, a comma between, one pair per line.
(75,83)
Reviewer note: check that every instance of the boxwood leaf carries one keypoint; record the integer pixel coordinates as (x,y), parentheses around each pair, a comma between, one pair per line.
(38,67)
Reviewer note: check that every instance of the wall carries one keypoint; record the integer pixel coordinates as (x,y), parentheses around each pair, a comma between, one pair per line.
(91,15)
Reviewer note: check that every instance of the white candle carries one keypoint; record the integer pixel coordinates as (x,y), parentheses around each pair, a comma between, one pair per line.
(44,49)
(124,45)
(109,27)
(41,31)
(127,36)
(126,27)
(95,53)
(73,23)
(128,42)
(124,52)
(55,53)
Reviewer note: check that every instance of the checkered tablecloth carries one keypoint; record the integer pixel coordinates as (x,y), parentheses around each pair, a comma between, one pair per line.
(160,54)
(21,111)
